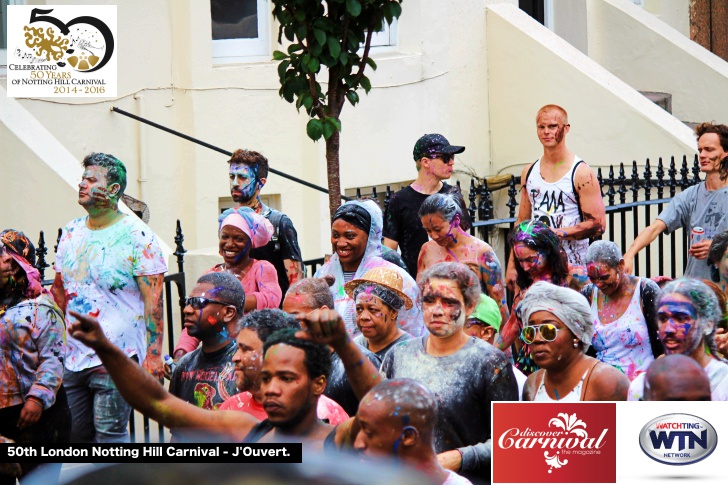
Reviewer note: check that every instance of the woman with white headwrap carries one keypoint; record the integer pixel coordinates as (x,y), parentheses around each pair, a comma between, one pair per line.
(558,326)
(356,237)
(241,230)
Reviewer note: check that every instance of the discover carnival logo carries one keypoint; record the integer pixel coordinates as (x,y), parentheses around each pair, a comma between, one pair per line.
(567,443)
(63,51)
(678,439)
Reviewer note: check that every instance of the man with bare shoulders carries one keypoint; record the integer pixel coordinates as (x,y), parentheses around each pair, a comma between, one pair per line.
(560,190)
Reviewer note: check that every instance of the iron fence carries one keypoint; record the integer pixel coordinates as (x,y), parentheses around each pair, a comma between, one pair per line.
(623,216)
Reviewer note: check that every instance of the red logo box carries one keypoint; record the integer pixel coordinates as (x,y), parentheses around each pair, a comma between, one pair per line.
(554,443)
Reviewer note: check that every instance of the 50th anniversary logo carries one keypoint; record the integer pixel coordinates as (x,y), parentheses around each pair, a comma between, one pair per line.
(63,51)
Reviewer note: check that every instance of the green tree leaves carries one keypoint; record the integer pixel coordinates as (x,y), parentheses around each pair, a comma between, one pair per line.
(326,38)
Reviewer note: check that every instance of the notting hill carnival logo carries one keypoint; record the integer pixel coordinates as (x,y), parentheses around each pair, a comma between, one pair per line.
(61,51)
(558,442)
(678,439)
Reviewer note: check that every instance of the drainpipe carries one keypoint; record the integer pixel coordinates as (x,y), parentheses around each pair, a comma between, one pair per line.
(141,150)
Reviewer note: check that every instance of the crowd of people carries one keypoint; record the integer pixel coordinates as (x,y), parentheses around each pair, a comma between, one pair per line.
(383,355)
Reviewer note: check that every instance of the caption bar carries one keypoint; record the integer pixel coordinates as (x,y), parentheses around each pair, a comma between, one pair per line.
(152,453)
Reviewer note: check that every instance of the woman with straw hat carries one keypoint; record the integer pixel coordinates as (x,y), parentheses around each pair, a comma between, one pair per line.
(378,299)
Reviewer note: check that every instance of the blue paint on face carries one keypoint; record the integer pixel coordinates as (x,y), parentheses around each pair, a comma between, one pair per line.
(676,318)
(243,182)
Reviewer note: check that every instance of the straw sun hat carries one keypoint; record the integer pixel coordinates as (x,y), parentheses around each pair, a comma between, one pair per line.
(384,277)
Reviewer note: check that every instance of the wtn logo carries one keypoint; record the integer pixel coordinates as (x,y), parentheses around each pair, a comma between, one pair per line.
(678,439)
(665,439)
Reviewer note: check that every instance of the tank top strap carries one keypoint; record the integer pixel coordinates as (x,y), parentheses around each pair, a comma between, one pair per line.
(259,430)
(585,380)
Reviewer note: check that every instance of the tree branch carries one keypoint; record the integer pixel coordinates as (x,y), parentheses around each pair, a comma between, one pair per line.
(364,57)
(317,107)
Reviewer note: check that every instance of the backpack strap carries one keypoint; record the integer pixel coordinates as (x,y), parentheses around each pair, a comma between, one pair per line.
(275,220)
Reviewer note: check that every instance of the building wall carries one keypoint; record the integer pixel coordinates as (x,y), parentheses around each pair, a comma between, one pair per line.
(649,55)
(434,80)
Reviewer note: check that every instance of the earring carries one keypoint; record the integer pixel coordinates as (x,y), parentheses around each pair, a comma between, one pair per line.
(576,344)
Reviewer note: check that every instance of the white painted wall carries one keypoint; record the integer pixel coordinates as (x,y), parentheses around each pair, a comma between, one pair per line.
(435,80)
(649,55)
(529,67)
(675,13)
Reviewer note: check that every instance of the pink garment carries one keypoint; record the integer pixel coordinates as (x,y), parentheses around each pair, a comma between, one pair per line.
(261,281)
(327,409)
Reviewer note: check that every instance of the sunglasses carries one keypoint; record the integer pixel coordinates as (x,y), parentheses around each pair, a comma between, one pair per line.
(446,158)
(199,302)
(548,332)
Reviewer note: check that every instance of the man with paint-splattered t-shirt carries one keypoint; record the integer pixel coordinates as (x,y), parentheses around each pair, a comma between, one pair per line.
(108,265)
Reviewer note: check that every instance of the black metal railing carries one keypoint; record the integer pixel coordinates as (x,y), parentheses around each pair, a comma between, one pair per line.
(623,216)
(178,279)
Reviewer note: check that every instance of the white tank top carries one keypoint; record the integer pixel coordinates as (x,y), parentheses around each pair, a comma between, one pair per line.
(623,343)
(557,205)
(573,396)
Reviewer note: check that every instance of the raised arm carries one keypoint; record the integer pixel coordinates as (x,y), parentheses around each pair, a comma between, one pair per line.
(327,327)
(592,207)
(492,274)
(152,290)
(146,395)
(648,235)
(524,214)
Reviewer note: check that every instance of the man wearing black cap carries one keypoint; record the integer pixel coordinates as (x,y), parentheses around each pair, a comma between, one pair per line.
(434,159)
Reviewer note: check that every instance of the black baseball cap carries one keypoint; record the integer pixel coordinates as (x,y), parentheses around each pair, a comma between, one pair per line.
(434,143)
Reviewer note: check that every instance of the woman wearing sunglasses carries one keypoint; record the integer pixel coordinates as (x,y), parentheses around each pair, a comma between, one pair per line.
(241,230)
(538,257)
(33,406)
(558,327)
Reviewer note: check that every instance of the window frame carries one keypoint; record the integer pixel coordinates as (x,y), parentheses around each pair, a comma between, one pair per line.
(387,37)
(230,51)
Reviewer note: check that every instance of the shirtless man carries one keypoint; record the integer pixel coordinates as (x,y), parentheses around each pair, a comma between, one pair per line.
(560,190)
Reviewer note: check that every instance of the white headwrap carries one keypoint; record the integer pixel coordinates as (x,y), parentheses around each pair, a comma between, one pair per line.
(565,304)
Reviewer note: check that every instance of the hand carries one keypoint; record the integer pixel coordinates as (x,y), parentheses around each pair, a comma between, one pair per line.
(155,366)
(324,327)
(700,250)
(721,340)
(30,414)
(87,330)
(511,276)
(661,280)
(450,460)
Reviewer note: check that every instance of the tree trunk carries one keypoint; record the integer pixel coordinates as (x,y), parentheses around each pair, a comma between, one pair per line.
(332,172)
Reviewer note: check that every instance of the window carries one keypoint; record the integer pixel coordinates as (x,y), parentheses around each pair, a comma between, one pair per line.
(240,30)
(387,36)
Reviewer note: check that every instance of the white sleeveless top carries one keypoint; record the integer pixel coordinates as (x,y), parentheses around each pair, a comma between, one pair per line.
(573,396)
(557,205)
(624,343)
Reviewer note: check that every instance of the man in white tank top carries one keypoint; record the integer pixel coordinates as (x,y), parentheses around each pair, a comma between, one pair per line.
(560,190)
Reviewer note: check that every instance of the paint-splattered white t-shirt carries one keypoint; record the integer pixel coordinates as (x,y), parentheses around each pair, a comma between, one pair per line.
(98,270)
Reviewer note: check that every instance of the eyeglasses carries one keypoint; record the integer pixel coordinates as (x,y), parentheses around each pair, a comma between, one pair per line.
(548,332)
(199,302)
(446,158)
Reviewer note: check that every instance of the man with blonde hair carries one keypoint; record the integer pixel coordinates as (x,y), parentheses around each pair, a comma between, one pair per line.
(560,190)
